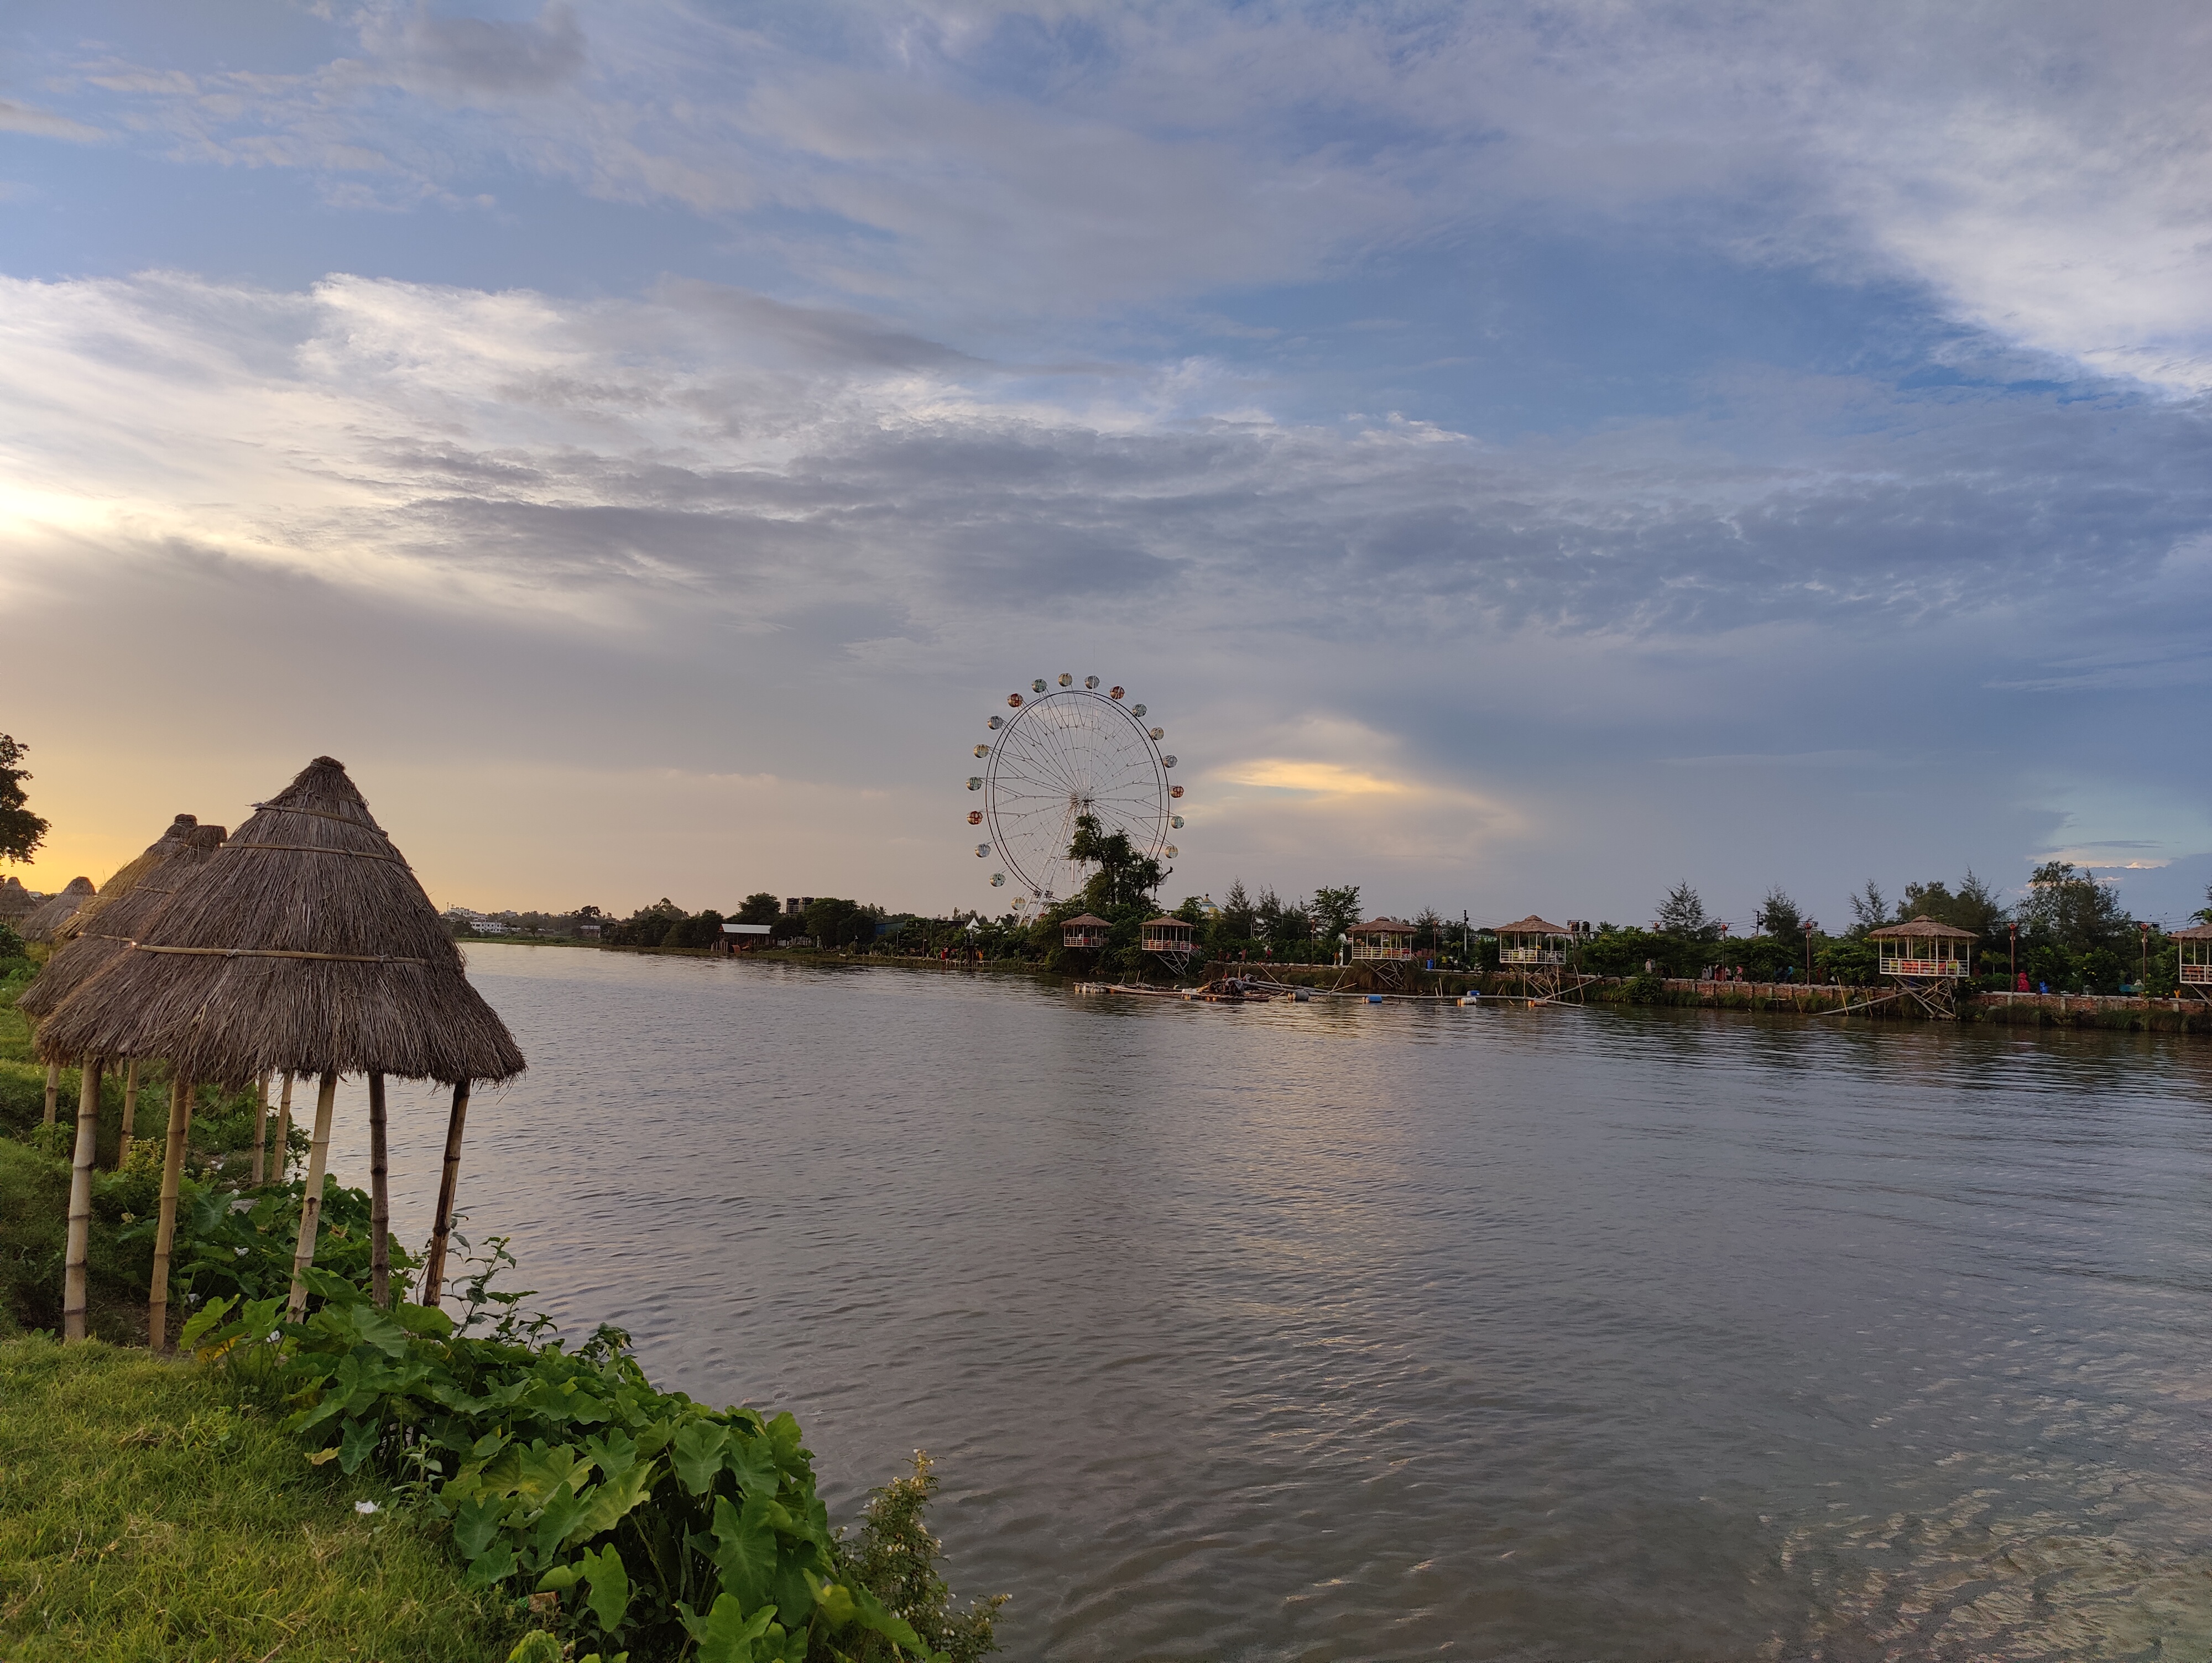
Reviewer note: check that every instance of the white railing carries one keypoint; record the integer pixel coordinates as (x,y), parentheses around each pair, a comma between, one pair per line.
(1362,950)
(1084,939)
(1530,956)
(1924,966)
(2197,973)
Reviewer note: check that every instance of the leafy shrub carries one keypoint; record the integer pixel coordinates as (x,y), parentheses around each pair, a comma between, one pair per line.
(654,1523)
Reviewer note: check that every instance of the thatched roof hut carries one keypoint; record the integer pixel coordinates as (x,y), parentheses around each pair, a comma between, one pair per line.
(56,911)
(135,898)
(16,902)
(305,943)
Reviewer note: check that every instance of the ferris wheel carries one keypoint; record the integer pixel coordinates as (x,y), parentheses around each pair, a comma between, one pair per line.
(1060,752)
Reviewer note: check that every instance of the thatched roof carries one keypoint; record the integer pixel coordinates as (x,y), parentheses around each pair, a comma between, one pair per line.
(305,943)
(56,911)
(1381,926)
(1921,928)
(1530,925)
(128,907)
(1085,921)
(2193,932)
(127,876)
(15,901)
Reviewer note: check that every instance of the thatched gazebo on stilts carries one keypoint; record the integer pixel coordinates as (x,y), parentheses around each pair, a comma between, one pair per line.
(305,945)
(104,926)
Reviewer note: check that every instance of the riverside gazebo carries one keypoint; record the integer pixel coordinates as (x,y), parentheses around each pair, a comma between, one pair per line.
(55,911)
(135,897)
(1381,937)
(1169,938)
(305,943)
(1534,951)
(1084,930)
(1926,960)
(2194,948)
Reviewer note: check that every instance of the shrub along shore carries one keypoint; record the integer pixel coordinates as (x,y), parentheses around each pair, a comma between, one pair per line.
(396,1483)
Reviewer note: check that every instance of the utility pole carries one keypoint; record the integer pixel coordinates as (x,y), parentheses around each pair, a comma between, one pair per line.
(2013,930)
(1811,925)
(2143,984)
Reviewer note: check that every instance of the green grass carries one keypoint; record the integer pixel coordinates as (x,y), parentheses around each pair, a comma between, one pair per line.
(146,1517)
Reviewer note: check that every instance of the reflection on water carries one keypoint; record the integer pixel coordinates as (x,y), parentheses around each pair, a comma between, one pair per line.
(1301,1332)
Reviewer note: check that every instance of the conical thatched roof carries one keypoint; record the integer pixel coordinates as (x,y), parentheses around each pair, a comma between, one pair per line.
(56,911)
(127,877)
(125,910)
(15,902)
(305,943)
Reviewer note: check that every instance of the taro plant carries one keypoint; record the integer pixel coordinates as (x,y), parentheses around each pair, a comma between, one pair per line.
(644,1524)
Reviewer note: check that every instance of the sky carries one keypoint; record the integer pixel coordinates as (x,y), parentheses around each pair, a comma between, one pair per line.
(1525,455)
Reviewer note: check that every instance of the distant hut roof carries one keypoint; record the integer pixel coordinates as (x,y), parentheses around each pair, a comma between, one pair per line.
(125,910)
(305,943)
(1530,925)
(15,901)
(2194,933)
(56,911)
(1165,917)
(1380,927)
(1086,917)
(128,876)
(1924,928)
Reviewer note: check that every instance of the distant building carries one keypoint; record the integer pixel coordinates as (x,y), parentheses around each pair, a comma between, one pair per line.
(737,938)
(795,904)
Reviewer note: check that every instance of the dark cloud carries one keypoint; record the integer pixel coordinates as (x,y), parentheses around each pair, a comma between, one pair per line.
(474,55)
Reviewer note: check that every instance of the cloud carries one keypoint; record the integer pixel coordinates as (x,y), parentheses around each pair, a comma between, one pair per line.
(41,124)
(2043,174)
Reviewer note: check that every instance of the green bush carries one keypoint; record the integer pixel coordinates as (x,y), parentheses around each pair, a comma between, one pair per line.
(659,1526)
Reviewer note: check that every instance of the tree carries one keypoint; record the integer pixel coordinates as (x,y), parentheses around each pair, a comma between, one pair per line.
(1682,913)
(1123,878)
(760,907)
(21,831)
(1429,929)
(1778,915)
(1974,906)
(1280,922)
(1335,911)
(2067,908)
(1869,909)
(1238,917)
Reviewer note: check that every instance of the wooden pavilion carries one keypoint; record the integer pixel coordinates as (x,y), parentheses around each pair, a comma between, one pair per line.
(1533,951)
(1383,938)
(305,943)
(1084,930)
(1169,938)
(1926,960)
(2194,950)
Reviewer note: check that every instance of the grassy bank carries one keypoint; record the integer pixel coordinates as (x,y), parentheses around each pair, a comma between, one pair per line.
(144,1515)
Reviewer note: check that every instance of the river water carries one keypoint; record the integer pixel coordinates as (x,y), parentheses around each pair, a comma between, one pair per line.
(1327,1332)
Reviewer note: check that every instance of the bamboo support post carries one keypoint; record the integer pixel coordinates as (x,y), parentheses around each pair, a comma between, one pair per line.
(129,1112)
(379,1198)
(441,1225)
(311,1204)
(79,1202)
(284,1127)
(165,1232)
(260,1130)
(53,1090)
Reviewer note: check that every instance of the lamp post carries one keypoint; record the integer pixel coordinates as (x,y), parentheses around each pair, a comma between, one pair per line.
(2143,983)
(2013,930)
(1811,925)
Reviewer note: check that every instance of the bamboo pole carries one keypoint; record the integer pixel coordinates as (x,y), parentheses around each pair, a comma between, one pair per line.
(79,1202)
(165,1232)
(53,1089)
(129,1112)
(441,1225)
(284,1127)
(379,1198)
(311,1204)
(260,1129)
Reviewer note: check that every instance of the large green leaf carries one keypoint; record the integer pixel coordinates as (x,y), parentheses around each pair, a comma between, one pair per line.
(605,1505)
(697,1454)
(752,1462)
(475,1524)
(356,1442)
(610,1581)
(726,1633)
(744,1547)
(562,1510)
